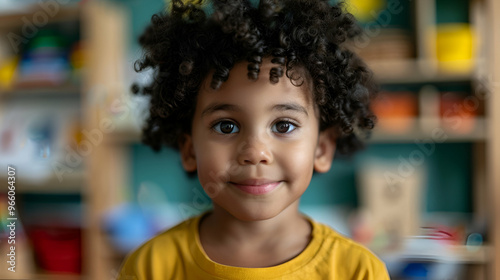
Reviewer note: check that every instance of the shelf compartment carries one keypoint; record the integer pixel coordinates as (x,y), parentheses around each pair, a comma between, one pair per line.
(413,71)
(71,183)
(41,91)
(433,130)
(64,13)
(454,253)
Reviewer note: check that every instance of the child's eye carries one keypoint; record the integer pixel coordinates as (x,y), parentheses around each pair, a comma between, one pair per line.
(226,127)
(283,127)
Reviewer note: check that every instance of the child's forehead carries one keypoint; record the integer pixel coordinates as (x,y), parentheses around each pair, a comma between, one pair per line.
(238,80)
(239,93)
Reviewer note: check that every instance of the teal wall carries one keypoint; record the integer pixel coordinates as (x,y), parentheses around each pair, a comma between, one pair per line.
(452,11)
(139,13)
(163,169)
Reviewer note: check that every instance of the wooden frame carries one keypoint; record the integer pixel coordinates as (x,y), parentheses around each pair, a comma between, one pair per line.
(493,148)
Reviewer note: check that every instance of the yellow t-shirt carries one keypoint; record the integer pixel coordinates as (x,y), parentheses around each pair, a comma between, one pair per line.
(177,254)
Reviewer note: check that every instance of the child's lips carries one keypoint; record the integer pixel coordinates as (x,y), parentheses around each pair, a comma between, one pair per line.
(256,186)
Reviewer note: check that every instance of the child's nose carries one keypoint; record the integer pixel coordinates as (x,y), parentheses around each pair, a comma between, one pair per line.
(254,151)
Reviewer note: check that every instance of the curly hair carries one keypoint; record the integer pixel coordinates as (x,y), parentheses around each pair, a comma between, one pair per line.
(196,38)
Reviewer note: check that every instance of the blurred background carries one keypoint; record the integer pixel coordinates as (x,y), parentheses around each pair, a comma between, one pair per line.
(424,195)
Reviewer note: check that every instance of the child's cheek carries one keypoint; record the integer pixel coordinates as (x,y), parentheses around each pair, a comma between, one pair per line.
(297,161)
(214,172)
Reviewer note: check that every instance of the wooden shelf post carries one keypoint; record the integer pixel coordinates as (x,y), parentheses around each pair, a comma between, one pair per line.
(493,11)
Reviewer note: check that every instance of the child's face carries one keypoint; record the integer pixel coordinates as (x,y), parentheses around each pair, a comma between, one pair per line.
(255,145)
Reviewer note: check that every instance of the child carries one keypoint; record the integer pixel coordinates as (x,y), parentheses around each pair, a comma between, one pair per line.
(257,96)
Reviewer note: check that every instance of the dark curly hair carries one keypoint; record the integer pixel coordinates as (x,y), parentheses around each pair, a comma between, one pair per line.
(194,38)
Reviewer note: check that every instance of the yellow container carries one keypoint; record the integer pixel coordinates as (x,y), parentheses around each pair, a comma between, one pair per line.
(7,72)
(365,10)
(455,47)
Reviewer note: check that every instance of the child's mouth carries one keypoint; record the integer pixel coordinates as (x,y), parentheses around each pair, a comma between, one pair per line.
(256,187)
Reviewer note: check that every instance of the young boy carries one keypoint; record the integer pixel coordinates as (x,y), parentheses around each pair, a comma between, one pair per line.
(257,96)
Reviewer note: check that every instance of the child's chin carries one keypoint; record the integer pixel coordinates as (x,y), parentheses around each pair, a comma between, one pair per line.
(253,216)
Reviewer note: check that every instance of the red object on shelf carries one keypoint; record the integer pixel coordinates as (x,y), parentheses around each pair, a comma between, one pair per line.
(395,110)
(57,249)
(458,111)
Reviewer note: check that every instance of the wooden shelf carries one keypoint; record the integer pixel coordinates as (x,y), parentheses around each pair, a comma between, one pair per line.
(413,71)
(68,90)
(40,276)
(433,130)
(54,276)
(124,136)
(71,183)
(454,254)
(13,20)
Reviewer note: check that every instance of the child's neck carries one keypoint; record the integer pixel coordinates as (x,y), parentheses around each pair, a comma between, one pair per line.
(230,241)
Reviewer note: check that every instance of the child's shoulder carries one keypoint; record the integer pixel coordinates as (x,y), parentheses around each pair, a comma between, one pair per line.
(330,235)
(181,233)
(159,254)
(344,248)
(172,239)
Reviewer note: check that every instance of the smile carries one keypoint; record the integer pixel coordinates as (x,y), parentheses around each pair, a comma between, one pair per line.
(256,188)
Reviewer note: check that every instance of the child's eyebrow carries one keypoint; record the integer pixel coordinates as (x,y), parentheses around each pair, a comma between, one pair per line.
(219,107)
(234,108)
(290,107)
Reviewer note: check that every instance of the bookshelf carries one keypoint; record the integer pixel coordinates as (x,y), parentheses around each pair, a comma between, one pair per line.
(423,68)
(90,25)
(44,109)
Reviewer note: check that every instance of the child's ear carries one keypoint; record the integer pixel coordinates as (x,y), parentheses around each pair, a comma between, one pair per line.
(325,150)
(187,153)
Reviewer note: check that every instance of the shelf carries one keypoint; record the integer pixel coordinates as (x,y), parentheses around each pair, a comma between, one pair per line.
(125,136)
(413,71)
(41,276)
(454,254)
(433,130)
(66,90)
(14,19)
(54,276)
(71,183)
